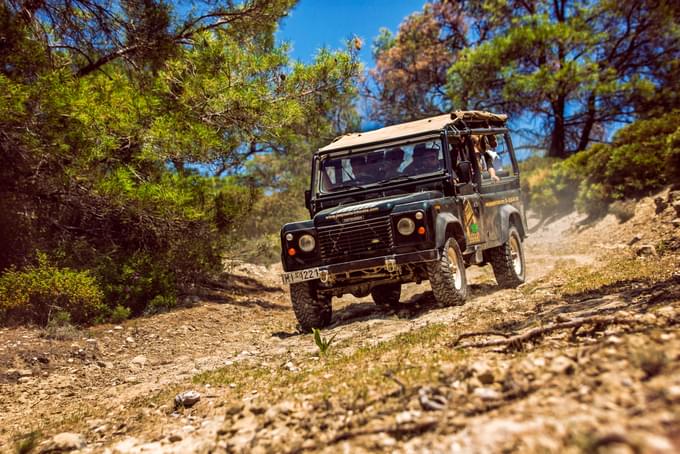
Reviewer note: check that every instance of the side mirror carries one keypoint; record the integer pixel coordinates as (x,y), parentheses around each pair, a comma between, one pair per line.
(464,171)
(308,198)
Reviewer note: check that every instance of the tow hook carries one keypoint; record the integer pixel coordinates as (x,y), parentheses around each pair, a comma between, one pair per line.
(323,276)
(391,265)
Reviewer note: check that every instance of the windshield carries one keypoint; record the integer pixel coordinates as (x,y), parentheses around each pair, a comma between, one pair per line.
(377,166)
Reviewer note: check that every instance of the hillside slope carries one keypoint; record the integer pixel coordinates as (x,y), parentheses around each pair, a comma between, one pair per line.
(391,381)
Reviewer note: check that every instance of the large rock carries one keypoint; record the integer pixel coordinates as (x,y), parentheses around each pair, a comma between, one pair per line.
(64,442)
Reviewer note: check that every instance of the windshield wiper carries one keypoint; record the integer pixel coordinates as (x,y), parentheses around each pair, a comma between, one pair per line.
(397,178)
(347,186)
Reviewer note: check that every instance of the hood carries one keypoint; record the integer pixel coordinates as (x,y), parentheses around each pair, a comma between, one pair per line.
(369,208)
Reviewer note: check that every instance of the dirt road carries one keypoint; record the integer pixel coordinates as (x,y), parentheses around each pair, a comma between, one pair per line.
(112,386)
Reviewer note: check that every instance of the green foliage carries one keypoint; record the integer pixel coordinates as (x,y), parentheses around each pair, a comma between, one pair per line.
(101,141)
(120,314)
(642,158)
(160,303)
(33,293)
(324,344)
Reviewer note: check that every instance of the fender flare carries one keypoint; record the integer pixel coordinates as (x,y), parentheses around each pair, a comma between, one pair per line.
(511,215)
(447,225)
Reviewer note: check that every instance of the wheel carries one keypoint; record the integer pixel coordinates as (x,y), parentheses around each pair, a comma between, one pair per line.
(507,260)
(447,276)
(311,310)
(386,295)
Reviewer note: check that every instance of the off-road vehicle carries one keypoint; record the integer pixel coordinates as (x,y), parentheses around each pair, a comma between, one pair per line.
(407,203)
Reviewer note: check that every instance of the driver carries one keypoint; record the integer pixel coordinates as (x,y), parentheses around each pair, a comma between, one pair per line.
(425,160)
(361,170)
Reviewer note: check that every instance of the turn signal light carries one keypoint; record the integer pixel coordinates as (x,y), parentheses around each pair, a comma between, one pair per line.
(291,251)
(421,230)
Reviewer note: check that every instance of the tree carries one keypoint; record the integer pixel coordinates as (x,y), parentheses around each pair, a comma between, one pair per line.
(571,64)
(106,108)
(409,77)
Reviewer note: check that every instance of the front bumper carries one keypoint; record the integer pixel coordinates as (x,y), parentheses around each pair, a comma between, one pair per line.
(390,262)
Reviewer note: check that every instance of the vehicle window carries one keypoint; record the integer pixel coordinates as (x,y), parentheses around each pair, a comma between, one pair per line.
(495,153)
(379,166)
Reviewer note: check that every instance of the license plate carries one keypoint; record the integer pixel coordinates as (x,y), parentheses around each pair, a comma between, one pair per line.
(300,276)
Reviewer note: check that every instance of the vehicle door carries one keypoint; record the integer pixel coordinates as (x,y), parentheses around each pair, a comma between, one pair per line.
(470,207)
(500,191)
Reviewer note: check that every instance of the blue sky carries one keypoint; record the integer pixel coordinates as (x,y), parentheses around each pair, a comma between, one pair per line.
(316,23)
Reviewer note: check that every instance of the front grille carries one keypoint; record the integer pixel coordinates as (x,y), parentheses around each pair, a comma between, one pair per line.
(355,238)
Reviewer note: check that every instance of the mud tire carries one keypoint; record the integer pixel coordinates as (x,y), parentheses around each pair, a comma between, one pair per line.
(311,310)
(386,295)
(507,261)
(447,276)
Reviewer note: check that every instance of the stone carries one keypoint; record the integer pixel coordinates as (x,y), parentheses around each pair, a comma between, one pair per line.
(138,362)
(130,340)
(187,399)
(660,204)
(25,372)
(676,222)
(105,364)
(645,250)
(676,207)
(487,394)
(483,372)
(174,438)
(65,441)
(562,365)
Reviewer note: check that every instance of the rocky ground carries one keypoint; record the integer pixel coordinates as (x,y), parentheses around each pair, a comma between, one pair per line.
(599,373)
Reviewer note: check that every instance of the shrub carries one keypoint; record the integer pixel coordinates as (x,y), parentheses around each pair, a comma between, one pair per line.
(120,314)
(160,303)
(32,293)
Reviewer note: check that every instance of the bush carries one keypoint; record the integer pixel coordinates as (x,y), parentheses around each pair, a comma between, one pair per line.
(120,314)
(33,293)
(643,157)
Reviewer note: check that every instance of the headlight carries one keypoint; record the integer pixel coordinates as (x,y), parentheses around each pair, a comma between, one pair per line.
(406,226)
(289,237)
(307,242)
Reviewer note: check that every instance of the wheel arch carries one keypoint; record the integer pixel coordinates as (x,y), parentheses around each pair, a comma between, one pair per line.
(510,216)
(447,226)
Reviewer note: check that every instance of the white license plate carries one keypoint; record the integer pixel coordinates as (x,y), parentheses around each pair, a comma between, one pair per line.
(300,276)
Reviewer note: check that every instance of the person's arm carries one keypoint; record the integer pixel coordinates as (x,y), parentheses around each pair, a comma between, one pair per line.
(490,168)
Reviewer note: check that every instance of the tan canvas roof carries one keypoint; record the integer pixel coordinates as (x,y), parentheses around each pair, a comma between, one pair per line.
(432,124)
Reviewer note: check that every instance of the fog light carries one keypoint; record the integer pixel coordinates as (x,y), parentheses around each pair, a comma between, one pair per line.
(289,237)
(406,226)
(421,230)
(307,242)
(419,215)
(291,252)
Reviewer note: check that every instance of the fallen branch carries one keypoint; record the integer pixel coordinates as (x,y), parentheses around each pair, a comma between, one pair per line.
(517,339)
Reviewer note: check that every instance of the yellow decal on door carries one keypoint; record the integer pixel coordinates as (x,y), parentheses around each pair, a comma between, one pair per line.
(471,224)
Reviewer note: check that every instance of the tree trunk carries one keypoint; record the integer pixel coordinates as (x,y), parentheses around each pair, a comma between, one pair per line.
(557,142)
(588,125)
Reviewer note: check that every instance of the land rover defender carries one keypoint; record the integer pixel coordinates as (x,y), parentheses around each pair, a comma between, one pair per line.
(407,203)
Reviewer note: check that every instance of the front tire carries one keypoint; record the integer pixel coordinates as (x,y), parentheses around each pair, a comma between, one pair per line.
(311,309)
(386,295)
(507,261)
(447,276)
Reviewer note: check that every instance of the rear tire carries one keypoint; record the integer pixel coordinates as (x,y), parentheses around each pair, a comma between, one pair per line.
(507,261)
(386,295)
(311,310)
(447,276)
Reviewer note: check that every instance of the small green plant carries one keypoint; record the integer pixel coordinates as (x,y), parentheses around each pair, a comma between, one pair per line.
(160,304)
(59,326)
(622,210)
(120,314)
(27,442)
(323,343)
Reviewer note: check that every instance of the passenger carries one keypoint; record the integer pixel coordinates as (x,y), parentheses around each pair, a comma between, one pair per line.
(481,151)
(393,160)
(425,160)
(361,170)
